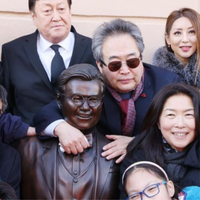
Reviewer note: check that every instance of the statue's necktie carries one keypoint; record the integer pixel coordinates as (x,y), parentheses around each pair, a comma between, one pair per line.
(57,65)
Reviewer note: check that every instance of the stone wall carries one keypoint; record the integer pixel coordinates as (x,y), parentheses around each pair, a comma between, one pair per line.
(149,15)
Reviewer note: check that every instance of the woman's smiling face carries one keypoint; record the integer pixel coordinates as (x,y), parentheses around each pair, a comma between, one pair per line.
(182,38)
(177,121)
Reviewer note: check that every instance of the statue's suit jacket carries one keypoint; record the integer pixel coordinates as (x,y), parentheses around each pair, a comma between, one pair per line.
(40,179)
(25,78)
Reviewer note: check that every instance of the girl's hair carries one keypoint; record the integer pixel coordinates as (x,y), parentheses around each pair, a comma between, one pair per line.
(150,138)
(194,18)
(150,167)
(7,192)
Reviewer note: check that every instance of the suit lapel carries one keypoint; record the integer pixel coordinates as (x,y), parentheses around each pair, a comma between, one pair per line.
(147,87)
(30,47)
(79,48)
(143,102)
(147,94)
(103,165)
(112,111)
(49,160)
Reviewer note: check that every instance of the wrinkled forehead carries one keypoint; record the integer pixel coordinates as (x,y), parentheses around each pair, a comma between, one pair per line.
(50,2)
(121,45)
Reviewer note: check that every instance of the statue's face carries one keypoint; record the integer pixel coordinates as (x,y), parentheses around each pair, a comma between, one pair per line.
(82,103)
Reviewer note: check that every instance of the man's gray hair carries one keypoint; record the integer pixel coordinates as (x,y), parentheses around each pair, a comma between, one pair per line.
(113,28)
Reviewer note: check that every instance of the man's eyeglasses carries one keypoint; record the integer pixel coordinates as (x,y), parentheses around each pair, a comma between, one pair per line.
(116,65)
(150,191)
(79,100)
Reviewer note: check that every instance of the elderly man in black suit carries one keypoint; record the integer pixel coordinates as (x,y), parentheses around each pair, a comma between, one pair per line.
(29,74)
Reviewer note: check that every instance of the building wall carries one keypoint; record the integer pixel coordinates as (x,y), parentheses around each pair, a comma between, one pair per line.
(149,15)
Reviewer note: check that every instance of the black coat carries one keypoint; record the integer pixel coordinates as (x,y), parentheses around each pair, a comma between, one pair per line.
(25,79)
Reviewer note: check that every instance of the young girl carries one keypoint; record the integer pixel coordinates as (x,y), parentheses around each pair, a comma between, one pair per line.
(147,179)
(181,53)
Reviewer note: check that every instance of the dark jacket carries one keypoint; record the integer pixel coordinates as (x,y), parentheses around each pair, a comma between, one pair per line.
(10,167)
(48,173)
(186,173)
(110,121)
(25,78)
(12,128)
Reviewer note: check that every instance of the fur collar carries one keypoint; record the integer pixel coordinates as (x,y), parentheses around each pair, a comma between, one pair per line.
(165,59)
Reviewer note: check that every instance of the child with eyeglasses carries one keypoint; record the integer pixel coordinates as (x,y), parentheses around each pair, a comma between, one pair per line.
(147,179)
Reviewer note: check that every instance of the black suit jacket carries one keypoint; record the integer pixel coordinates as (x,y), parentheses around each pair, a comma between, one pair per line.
(110,121)
(25,78)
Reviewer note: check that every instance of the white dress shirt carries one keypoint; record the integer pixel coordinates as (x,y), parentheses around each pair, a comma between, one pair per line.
(46,53)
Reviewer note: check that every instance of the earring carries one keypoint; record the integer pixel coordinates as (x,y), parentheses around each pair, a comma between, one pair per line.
(169,45)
